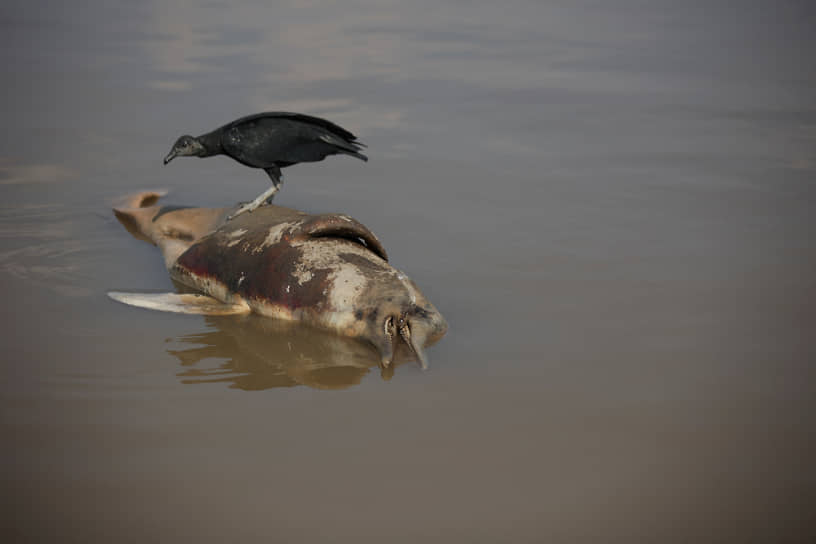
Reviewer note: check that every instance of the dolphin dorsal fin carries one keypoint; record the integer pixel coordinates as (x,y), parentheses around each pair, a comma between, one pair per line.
(342,226)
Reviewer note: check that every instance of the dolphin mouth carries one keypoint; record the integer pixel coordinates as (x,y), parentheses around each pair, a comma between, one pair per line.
(413,336)
(170,156)
(415,343)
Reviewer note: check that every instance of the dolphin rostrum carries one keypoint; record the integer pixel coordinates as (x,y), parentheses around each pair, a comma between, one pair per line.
(328,271)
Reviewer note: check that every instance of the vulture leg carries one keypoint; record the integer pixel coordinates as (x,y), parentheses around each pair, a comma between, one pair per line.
(277,180)
(265,197)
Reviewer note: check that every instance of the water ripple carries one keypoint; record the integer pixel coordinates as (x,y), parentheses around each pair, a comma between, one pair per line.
(49,246)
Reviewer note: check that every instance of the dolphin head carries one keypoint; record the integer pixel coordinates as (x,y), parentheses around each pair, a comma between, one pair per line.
(402,317)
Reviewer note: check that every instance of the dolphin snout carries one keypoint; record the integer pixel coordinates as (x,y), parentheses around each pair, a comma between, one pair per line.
(414,335)
(413,331)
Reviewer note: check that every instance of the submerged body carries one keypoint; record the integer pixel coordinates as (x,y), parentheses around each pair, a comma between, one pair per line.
(271,141)
(328,271)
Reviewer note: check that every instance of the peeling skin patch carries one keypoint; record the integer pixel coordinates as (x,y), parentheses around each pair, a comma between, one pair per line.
(275,234)
(317,255)
(302,274)
(348,282)
(235,237)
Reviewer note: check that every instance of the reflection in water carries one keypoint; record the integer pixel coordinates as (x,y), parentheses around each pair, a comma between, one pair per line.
(261,353)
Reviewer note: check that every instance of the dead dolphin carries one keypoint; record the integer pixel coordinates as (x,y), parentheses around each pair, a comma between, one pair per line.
(328,271)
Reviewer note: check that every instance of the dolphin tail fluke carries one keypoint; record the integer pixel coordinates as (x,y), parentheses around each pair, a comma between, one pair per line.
(136,212)
(180,303)
(142,199)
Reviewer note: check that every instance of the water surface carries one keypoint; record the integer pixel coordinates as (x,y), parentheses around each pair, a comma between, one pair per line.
(611,203)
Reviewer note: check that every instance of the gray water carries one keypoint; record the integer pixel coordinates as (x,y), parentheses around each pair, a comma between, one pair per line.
(612,203)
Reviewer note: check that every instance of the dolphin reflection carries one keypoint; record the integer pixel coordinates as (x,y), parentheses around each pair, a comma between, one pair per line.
(253,353)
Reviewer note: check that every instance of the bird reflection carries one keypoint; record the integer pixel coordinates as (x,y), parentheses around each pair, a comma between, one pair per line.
(260,353)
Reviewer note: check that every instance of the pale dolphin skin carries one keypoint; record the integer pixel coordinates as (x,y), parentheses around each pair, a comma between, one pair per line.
(327,271)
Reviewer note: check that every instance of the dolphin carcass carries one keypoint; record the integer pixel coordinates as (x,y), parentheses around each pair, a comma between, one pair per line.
(328,271)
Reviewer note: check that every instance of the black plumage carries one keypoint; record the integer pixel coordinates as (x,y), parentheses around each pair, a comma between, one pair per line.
(271,141)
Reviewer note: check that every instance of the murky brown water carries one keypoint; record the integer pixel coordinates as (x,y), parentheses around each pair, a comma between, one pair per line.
(612,206)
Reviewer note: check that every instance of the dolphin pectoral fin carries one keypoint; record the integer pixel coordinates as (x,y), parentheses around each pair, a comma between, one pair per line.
(180,303)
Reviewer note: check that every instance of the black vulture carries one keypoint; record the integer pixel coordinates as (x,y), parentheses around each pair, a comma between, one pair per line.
(271,141)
